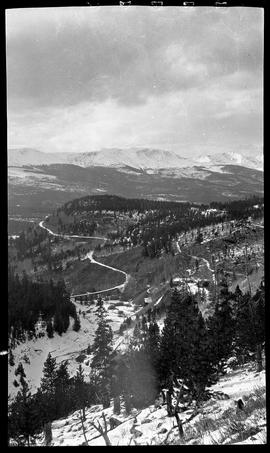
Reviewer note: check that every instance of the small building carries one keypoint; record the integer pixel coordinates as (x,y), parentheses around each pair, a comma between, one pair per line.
(147,300)
(176,281)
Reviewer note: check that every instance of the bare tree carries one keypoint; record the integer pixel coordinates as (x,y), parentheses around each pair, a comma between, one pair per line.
(101,430)
(82,418)
(176,413)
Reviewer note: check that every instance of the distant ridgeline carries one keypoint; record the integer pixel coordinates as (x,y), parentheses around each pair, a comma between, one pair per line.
(141,221)
(113,203)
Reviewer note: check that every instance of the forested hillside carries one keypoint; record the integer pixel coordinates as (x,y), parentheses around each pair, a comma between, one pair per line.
(152,224)
(180,364)
(30,302)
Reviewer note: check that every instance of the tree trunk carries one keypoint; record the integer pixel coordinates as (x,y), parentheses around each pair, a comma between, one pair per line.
(179,424)
(163,396)
(48,433)
(127,404)
(259,357)
(106,401)
(169,403)
(107,440)
(116,405)
(83,427)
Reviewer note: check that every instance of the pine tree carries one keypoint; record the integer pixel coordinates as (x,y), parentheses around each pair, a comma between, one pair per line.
(49,329)
(101,362)
(77,324)
(167,360)
(259,307)
(22,420)
(121,383)
(153,344)
(47,390)
(137,377)
(222,330)
(139,336)
(49,375)
(142,378)
(58,323)
(81,391)
(62,390)
(185,346)
(116,391)
(250,325)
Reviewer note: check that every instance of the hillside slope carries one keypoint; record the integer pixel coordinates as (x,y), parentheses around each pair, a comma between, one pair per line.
(217,420)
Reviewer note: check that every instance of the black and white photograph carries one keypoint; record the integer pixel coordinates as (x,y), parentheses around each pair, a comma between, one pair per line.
(135,192)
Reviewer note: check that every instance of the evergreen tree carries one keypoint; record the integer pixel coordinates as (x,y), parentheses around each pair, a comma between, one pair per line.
(167,359)
(137,378)
(142,377)
(121,382)
(58,323)
(250,325)
(81,391)
(22,420)
(259,308)
(116,391)
(153,344)
(49,329)
(63,400)
(47,390)
(185,346)
(101,362)
(221,330)
(77,324)
(49,375)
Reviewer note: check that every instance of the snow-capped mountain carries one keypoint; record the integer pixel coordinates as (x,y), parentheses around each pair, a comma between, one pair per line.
(27,156)
(231,158)
(136,158)
(140,158)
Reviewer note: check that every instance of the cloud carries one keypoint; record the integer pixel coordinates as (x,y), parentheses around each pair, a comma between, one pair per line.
(84,78)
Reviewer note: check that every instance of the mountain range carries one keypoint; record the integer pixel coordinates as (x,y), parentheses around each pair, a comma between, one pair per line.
(137,158)
(39,182)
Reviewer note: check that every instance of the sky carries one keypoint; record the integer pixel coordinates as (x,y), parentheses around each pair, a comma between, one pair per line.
(189,80)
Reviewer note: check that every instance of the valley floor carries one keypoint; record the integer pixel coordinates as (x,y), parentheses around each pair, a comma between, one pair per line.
(69,346)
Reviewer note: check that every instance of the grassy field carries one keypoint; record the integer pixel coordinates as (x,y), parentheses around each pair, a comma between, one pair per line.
(70,244)
(17,226)
(91,277)
(79,276)
(82,276)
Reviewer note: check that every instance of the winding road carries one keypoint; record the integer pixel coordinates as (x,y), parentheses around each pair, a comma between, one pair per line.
(89,256)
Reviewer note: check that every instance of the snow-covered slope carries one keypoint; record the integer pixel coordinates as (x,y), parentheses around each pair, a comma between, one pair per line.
(136,158)
(67,346)
(231,158)
(28,156)
(215,422)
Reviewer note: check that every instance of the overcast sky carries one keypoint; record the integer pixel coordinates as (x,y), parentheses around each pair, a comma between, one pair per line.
(181,79)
